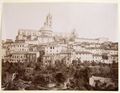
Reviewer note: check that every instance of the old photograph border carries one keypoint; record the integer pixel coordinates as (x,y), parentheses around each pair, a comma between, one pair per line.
(59,1)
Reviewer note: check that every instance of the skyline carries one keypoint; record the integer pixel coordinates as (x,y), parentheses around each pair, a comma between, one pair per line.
(101,22)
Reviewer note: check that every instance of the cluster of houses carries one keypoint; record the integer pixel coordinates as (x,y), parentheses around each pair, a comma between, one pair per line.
(29,43)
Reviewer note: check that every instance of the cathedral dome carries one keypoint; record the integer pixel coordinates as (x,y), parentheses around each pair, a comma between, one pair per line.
(46,28)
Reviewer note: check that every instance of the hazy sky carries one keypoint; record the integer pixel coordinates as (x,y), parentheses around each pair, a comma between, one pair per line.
(89,20)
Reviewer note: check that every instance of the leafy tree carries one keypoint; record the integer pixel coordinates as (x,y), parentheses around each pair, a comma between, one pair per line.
(40,80)
(93,63)
(81,79)
(60,78)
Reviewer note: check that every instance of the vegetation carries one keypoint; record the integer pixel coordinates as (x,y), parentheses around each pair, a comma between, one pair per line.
(36,76)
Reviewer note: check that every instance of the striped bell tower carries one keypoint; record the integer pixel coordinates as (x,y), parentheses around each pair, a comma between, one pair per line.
(48,21)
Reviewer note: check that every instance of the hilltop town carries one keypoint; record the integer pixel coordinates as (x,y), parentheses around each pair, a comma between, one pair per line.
(43,57)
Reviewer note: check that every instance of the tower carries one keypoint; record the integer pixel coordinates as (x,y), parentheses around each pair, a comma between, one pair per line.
(48,21)
(46,30)
(73,33)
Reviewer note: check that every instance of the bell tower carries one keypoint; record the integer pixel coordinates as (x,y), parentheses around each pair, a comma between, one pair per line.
(46,29)
(48,21)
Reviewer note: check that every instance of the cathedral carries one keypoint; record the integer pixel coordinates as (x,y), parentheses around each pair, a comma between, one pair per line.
(44,35)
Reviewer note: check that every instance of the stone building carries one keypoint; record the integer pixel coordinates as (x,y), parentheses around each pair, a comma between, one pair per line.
(44,35)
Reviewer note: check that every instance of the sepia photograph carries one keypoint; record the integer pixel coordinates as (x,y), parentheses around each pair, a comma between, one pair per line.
(59,46)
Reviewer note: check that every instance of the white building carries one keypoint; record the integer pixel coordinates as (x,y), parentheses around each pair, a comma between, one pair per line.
(102,80)
(112,51)
(97,58)
(55,48)
(24,34)
(95,50)
(18,47)
(97,40)
(83,56)
(78,47)
(17,57)
(22,57)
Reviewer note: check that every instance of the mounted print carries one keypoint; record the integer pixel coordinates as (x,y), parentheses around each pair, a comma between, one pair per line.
(60,46)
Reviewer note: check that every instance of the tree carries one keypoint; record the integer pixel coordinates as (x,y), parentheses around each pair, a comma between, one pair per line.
(74,62)
(39,80)
(60,78)
(93,63)
(114,72)
(81,79)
